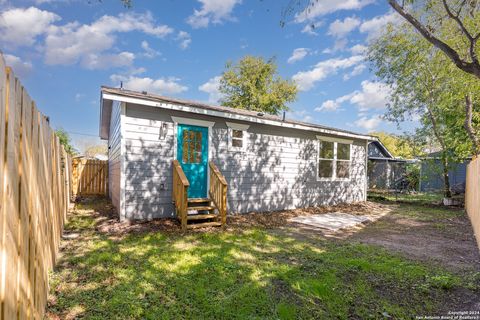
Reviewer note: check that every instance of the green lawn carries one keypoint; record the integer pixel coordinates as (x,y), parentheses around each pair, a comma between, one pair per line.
(418,198)
(240,274)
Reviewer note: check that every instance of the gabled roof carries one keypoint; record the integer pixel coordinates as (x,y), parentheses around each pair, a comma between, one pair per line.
(382,149)
(109,94)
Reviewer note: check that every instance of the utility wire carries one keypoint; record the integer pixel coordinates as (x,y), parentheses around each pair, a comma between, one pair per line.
(82,134)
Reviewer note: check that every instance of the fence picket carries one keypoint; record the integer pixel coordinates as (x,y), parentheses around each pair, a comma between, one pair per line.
(89,177)
(34,188)
(472,196)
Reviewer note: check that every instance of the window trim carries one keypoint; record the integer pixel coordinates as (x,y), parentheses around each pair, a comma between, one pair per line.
(239,127)
(335,141)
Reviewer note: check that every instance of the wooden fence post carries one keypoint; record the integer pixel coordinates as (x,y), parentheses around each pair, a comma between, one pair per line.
(34,197)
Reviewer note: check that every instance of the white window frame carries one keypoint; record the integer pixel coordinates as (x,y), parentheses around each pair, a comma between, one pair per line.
(239,127)
(335,141)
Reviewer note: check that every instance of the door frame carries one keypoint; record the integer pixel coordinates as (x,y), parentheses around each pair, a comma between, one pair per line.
(194,122)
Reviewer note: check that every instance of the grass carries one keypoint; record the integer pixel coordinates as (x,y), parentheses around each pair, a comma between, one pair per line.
(415,198)
(419,206)
(244,274)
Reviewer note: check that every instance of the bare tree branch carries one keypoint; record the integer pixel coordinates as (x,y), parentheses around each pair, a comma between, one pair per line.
(468,67)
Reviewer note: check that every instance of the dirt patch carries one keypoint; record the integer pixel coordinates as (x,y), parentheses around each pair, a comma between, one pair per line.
(450,242)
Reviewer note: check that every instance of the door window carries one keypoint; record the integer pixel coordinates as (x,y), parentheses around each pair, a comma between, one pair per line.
(192,146)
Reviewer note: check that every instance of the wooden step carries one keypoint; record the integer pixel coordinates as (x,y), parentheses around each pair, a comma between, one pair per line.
(202,216)
(200,208)
(198,200)
(204,225)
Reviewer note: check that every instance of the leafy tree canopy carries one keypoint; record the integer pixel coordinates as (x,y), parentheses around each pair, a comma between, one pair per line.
(254,84)
(425,85)
(98,149)
(65,140)
(405,146)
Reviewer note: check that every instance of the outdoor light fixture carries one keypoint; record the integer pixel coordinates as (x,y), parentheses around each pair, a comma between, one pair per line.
(163,130)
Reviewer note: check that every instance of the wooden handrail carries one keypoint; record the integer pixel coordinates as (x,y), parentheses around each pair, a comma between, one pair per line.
(180,193)
(218,191)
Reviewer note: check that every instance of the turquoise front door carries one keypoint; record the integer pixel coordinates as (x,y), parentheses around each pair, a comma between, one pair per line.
(192,153)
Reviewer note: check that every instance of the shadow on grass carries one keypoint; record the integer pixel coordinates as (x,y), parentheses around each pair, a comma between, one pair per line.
(237,274)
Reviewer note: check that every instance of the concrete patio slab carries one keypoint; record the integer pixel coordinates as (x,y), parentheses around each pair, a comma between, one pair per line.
(332,221)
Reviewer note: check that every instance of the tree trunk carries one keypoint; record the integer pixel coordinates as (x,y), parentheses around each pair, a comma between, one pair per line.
(446,179)
(436,131)
(468,124)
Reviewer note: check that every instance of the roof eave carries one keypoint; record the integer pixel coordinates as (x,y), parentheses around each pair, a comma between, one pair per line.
(174,106)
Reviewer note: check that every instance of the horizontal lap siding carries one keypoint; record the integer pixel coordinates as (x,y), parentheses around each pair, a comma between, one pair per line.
(114,156)
(277,171)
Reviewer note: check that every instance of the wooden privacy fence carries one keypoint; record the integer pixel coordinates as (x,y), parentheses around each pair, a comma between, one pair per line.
(89,177)
(34,192)
(472,196)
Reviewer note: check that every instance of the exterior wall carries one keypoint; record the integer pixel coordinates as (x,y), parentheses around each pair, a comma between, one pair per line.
(432,177)
(277,171)
(383,174)
(114,151)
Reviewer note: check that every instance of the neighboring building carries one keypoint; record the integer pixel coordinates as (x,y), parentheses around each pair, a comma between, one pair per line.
(384,170)
(431,174)
(269,163)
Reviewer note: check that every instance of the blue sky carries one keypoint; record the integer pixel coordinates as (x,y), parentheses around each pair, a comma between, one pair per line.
(64,50)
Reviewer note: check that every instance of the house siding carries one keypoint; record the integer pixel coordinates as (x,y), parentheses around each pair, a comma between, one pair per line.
(114,155)
(276,171)
(431,178)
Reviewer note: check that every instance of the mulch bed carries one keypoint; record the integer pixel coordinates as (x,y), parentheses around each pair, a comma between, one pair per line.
(108,222)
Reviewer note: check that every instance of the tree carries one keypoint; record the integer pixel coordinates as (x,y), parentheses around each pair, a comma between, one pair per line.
(402,146)
(460,17)
(423,83)
(98,149)
(65,141)
(254,84)
(430,17)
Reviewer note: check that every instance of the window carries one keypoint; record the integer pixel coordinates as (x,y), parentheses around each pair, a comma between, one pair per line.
(325,159)
(192,147)
(334,159)
(237,136)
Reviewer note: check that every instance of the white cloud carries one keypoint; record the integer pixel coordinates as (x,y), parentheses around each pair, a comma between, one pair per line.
(106,61)
(329,105)
(374,95)
(185,39)
(20,27)
(339,45)
(148,51)
(212,11)
(375,26)
(20,68)
(357,70)
(340,29)
(321,8)
(159,86)
(212,88)
(311,28)
(332,105)
(358,49)
(368,123)
(79,96)
(74,42)
(305,80)
(298,54)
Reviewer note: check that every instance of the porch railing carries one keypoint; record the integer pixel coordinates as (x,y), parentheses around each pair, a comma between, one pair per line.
(180,193)
(218,191)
